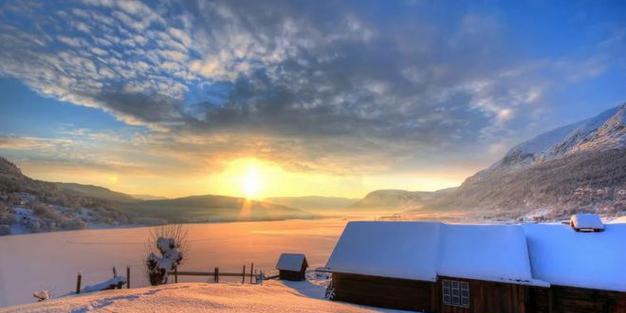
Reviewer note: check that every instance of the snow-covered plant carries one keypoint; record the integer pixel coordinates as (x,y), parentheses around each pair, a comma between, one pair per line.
(166,252)
(41,295)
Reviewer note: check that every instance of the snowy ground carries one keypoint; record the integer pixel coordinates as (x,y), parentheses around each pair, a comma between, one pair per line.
(272,296)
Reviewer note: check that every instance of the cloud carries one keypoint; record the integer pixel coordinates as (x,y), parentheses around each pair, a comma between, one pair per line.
(317,86)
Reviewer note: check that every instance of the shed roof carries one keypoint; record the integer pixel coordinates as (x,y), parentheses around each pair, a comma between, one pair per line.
(561,256)
(486,252)
(406,250)
(290,262)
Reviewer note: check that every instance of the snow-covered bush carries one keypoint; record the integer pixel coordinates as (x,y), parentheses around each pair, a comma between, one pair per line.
(169,242)
(41,295)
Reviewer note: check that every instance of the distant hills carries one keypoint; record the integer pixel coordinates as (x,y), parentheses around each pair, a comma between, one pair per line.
(580,167)
(28,205)
(313,203)
(208,208)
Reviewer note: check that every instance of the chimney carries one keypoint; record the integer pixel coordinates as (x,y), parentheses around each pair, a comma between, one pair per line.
(583,222)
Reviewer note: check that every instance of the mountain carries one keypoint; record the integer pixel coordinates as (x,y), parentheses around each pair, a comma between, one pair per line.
(209,208)
(148,197)
(96,192)
(603,132)
(580,167)
(313,202)
(393,199)
(28,205)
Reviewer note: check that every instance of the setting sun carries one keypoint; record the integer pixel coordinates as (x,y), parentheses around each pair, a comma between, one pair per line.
(251,183)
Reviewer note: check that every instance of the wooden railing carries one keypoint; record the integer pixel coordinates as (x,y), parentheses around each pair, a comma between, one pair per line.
(216,274)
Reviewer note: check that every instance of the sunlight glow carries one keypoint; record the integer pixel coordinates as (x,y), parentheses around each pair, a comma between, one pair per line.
(251,183)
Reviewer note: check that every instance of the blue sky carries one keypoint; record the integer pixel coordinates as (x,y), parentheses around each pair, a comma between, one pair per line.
(374,94)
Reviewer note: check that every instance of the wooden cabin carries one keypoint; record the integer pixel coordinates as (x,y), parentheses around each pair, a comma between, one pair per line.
(379,264)
(441,268)
(586,270)
(292,266)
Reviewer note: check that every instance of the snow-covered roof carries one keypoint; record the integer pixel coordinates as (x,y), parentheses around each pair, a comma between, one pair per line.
(586,221)
(486,252)
(561,256)
(530,254)
(290,262)
(406,250)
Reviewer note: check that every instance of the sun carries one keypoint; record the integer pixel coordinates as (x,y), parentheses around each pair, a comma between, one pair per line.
(251,183)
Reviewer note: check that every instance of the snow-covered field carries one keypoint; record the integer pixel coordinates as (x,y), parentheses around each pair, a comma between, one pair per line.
(272,296)
(51,261)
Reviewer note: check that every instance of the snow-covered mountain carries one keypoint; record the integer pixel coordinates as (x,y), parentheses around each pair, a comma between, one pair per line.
(578,167)
(603,132)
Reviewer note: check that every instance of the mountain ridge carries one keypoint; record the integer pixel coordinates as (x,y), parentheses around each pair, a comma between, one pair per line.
(579,167)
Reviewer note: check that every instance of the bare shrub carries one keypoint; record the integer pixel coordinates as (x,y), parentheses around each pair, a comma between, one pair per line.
(165,248)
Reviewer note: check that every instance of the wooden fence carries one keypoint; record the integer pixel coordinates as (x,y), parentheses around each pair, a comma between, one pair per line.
(216,274)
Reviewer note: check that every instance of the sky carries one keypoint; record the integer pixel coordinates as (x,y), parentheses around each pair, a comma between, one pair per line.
(288,98)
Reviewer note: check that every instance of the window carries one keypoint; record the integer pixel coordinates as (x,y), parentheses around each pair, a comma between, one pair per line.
(456,293)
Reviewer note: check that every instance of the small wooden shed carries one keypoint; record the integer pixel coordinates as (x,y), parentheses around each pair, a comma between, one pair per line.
(292,266)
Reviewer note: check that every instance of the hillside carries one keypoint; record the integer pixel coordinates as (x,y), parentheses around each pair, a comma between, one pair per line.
(313,202)
(399,200)
(96,192)
(28,205)
(208,208)
(579,167)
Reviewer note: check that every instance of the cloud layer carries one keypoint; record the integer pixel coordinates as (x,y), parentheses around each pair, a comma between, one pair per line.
(337,87)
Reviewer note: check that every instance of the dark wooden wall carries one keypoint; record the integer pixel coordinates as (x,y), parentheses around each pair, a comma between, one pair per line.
(487,297)
(392,293)
(290,275)
(558,299)
(293,275)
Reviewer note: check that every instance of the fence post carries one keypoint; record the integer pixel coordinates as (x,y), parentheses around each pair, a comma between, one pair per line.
(176,275)
(128,277)
(243,274)
(217,275)
(78,279)
(251,271)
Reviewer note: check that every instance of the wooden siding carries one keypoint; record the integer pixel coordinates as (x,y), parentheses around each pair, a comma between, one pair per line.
(293,275)
(392,293)
(487,297)
(560,299)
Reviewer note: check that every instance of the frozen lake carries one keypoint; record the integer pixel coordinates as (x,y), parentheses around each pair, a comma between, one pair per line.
(51,261)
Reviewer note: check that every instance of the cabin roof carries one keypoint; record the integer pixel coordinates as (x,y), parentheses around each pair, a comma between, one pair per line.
(405,250)
(530,254)
(485,252)
(562,256)
(290,262)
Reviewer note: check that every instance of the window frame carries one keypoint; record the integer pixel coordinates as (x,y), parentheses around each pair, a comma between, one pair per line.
(455,293)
